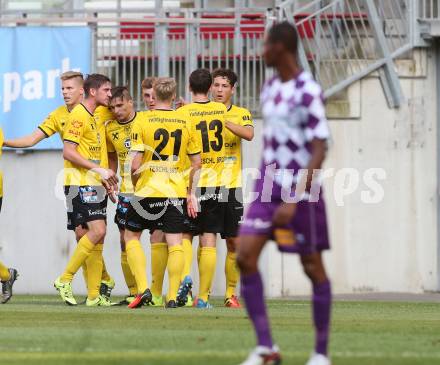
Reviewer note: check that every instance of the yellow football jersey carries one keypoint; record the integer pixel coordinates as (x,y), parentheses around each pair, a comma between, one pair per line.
(82,129)
(166,139)
(233,159)
(1,173)
(208,124)
(103,115)
(118,140)
(55,122)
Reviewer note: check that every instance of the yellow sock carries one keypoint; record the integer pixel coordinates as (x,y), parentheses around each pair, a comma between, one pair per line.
(105,276)
(176,262)
(232,274)
(198,254)
(188,256)
(138,264)
(79,256)
(4,272)
(159,260)
(128,275)
(208,258)
(84,271)
(94,271)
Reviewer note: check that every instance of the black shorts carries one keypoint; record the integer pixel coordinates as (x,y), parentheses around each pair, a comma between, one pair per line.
(1,201)
(191,225)
(233,213)
(85,204)
(122,209)
(166,214)
(210,219)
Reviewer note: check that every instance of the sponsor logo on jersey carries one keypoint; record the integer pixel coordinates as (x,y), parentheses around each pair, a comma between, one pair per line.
(77,124)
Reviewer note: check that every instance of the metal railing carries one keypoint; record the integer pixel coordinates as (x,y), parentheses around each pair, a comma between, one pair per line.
(429,9)
(131,50)
(345,40)
(172,43)
(342,41)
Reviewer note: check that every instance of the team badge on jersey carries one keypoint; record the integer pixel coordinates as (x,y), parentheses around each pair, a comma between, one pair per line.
(127,143)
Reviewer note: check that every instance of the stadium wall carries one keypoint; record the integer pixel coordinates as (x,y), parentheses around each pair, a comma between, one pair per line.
(383,232)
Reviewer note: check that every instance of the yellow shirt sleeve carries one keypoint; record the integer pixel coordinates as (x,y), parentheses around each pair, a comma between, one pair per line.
(193,143)
(246,119)
(74,130)
(137,141)
(110,146)
(49,125)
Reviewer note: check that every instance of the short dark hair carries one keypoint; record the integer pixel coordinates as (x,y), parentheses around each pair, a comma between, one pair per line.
(94,81)
(200,81)
(121,92)
(228,74)
(148,82)
(286,34)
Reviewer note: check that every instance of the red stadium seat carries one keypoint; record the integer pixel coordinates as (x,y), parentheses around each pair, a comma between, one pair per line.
(252,26)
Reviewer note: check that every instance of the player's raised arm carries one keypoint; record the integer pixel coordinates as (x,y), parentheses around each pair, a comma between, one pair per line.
(72,89)
(245,132)
(222,90)
(46,129)
(27,141)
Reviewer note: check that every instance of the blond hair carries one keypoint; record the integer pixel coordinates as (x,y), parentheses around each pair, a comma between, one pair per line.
(148,82)
(72,75)
(164,88)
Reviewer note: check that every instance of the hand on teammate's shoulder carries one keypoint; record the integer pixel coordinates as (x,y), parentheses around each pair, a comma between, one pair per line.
(180,102)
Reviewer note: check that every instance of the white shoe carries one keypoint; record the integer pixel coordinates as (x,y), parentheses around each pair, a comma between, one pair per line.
(263,355)
(318,359)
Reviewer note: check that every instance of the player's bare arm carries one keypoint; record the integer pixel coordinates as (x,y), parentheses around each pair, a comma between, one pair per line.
(71,154)
(113,161)
(112,165)
(246,132)
(180,102)
(136,163)
(26,141)
(194,174)
(319,152)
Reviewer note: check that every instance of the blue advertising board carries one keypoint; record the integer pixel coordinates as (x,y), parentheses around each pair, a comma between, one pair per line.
(32,60)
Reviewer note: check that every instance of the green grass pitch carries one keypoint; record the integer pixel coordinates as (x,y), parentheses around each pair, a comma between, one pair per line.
(42,330)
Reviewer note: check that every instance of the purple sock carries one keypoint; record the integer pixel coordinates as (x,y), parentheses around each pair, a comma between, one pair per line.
(322,300)
(252,292)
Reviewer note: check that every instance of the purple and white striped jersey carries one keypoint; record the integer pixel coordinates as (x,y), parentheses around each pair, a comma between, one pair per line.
(294,114)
